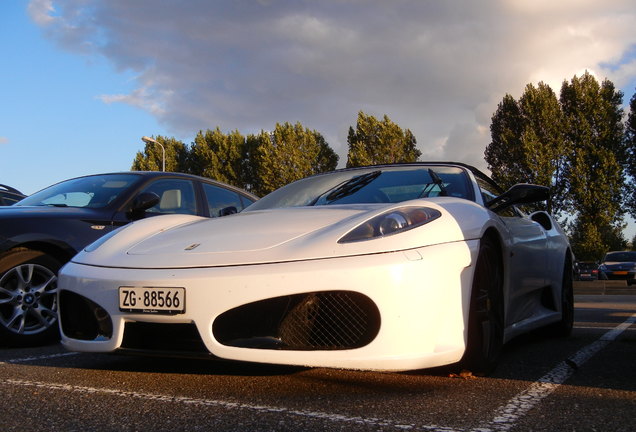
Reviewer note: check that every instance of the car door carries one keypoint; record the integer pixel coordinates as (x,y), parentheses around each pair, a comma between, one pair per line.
(219,199)
(527,262)
(176,196)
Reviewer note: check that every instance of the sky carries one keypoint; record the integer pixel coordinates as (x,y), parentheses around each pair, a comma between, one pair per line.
(82,81)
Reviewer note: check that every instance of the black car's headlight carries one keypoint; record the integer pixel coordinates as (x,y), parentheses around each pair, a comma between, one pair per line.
(391,222)
(91,247)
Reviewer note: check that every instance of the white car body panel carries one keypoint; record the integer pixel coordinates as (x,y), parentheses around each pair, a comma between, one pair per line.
(420,305)
(420,280)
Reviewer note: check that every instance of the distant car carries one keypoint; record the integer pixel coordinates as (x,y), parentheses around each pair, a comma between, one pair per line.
(619,265)
(9,195)
(586,271)
(391,267)
(43,231)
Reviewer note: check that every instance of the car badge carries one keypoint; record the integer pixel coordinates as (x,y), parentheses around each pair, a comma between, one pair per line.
(193,246)
(98,227)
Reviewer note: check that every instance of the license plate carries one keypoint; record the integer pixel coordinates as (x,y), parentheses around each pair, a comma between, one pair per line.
(585,275)
(620,273)
(152,300)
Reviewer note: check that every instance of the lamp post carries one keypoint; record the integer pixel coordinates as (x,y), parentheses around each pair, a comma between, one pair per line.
(149,140)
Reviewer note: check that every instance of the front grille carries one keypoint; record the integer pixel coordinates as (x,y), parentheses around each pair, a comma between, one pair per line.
(328,320)
(83,319)
(180,338)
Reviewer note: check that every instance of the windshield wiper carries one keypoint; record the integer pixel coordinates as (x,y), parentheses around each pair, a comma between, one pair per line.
(350,187)
(436,181)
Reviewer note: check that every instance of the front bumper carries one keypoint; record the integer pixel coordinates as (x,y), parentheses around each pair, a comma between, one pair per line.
(618,275)
(415,306)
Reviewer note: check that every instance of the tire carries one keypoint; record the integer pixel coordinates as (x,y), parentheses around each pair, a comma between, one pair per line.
(28,297)
(486,316)
(563,328)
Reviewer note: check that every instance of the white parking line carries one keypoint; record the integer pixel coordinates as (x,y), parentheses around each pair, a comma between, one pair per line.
(42,357)
(317,415)
(507,415)
(504,419)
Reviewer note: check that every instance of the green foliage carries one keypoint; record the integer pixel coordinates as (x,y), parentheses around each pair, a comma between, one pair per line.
(152,157)
(630,147)
(575,145)
(380,142)
(218,156)
(594,132)
(528,143)
(259,163)
(289,153)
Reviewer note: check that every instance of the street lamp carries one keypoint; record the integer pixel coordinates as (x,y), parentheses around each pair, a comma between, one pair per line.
(149,140)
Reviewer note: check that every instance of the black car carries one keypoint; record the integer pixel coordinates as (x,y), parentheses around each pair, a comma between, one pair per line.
(586,271)
(9,195)
(619,266)
(42,232)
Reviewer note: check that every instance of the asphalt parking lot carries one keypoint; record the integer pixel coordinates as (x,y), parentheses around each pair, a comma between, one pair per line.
(602,287)
(586,382)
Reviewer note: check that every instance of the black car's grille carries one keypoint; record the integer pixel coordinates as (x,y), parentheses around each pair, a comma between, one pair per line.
(329,320)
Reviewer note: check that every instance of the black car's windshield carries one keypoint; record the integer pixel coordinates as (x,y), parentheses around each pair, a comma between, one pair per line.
(620,257)
(92,191)
(370,185)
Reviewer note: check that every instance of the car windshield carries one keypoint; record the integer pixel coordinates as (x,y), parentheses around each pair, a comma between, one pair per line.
(370,185)
(620,256)
(92,191)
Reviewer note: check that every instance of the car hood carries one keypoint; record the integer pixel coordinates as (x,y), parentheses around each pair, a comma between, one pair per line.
(268,236)
(619,264)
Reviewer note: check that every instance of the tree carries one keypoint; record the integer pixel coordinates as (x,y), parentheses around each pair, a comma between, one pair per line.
(630,166)
(528,143)
(289,153)
(574,145)
(152,157)
(594,132)
(380,142)
(218,156)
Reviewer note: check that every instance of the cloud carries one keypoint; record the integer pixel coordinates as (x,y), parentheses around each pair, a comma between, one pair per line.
(437,68)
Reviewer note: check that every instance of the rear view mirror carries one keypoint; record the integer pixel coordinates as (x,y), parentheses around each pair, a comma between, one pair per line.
(521,193)
(143,202)
(226,211)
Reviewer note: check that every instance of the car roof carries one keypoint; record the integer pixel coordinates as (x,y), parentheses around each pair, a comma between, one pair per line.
(155,174)
(10,189)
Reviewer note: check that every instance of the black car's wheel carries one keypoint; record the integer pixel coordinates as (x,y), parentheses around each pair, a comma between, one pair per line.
(28,297)
(564,326)
(486,319)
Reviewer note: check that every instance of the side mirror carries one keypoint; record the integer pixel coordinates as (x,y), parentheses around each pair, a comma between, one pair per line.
(521,193)
(226,211)
(143,202)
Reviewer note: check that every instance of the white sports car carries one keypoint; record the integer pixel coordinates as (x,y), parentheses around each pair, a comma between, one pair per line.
(392,267)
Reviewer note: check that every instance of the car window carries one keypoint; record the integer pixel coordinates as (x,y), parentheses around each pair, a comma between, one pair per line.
(219,198)
(8,198)
(91,191)
(620,256)
(175,196)
(370,185)
(490,192)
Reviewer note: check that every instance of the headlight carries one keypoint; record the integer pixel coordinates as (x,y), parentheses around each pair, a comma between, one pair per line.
(392,222)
